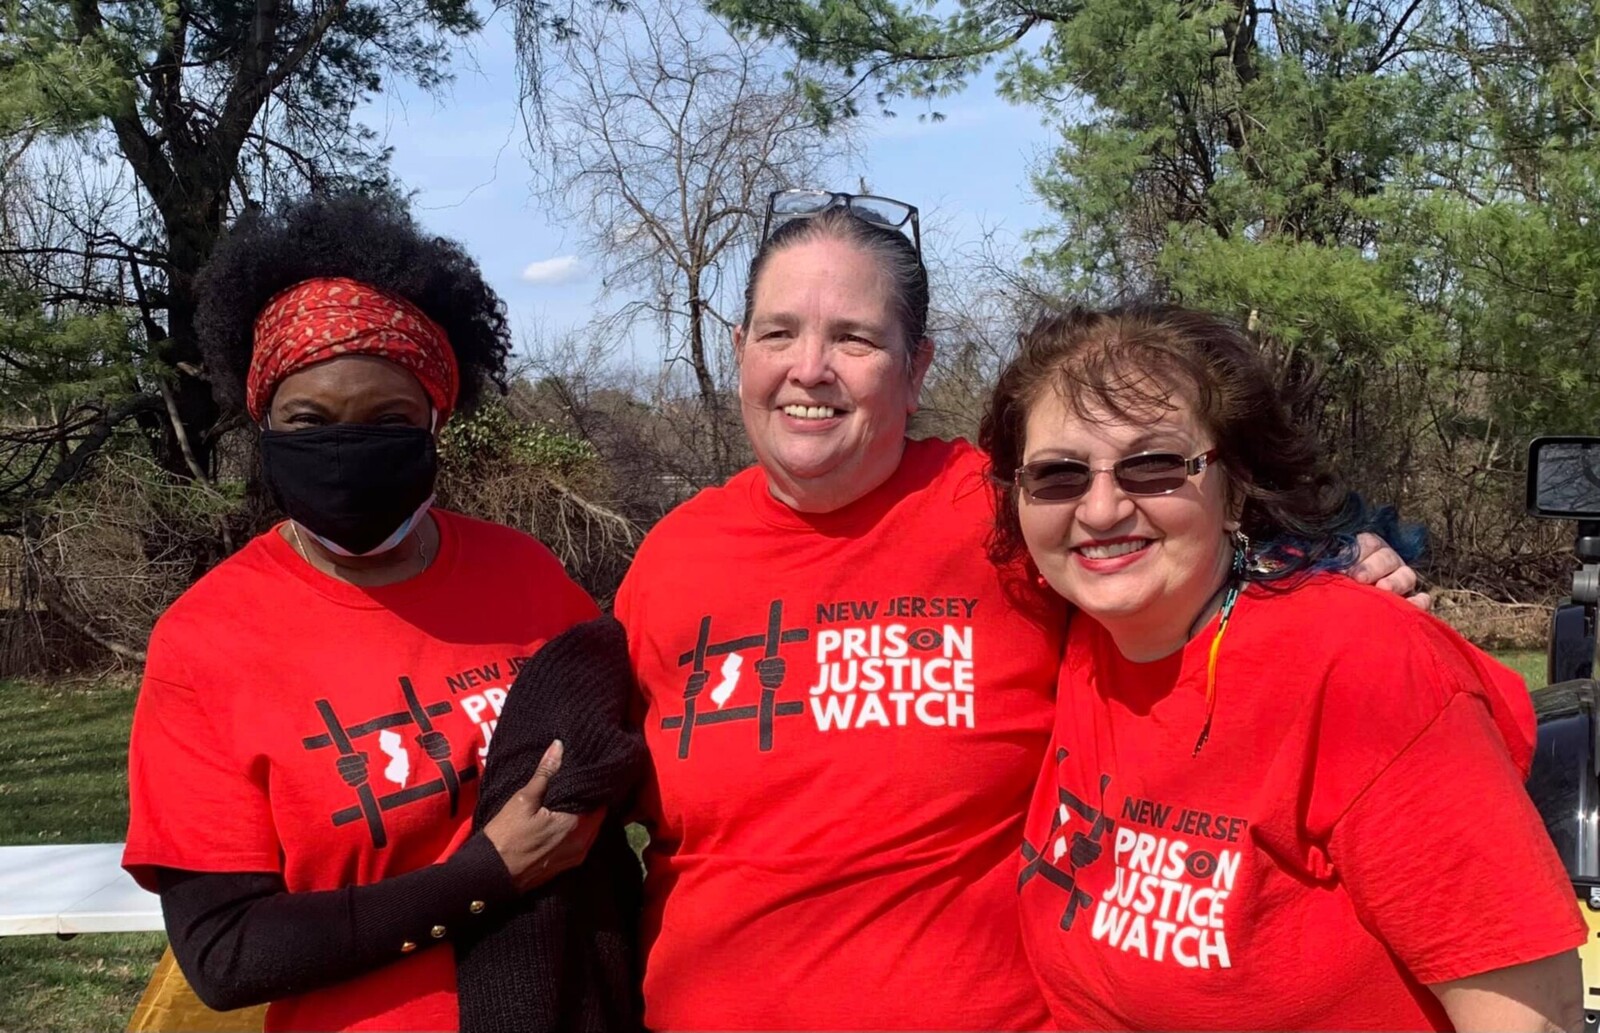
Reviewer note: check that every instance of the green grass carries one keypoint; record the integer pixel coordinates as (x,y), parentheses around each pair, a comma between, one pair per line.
(1527,662)
(90,982)
(63,754)
(63,757)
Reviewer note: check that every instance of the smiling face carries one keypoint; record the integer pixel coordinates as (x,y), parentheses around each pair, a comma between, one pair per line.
(1143,566)
(825,379)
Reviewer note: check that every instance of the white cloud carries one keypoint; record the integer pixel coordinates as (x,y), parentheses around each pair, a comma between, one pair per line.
(562,269)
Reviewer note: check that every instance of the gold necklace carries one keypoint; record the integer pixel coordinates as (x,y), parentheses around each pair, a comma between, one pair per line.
(300,547)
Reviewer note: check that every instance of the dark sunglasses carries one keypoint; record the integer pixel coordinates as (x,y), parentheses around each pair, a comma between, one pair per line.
(1148,473)
(786,205)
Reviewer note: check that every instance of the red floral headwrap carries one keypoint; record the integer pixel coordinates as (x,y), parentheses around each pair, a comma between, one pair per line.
(322,319)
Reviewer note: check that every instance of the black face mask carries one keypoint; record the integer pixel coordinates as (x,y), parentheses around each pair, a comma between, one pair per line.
(352,485)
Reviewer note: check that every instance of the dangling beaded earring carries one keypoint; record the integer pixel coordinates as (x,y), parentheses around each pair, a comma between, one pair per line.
(1241,559)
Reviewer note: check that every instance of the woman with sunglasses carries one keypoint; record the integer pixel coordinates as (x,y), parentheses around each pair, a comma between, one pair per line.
(311,734)
(1273,798)
(845,704)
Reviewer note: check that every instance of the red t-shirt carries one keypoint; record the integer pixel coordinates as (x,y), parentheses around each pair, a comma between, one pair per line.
(267,676)
(1354,828)
(835,810)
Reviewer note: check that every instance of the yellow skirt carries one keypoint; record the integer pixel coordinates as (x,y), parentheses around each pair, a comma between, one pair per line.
(170,1006)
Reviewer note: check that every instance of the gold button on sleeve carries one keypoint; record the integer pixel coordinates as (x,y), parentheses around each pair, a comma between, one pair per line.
(407,947)
(437,932)
(476,907)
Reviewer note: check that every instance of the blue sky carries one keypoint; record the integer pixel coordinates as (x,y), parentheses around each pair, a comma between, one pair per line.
(463,152)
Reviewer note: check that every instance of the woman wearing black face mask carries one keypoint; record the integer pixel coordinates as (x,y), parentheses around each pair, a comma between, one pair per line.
(313,733)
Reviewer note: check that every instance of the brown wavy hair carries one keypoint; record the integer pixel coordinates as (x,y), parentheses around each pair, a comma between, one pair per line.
(1135,362)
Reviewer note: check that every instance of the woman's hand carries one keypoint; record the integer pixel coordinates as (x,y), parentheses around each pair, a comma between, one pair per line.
(1377,564)
(536,843)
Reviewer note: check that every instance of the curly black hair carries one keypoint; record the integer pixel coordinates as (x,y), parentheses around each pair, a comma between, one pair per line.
(370,239)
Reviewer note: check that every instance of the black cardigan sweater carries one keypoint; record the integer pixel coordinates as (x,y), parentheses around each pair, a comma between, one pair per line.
(564,956)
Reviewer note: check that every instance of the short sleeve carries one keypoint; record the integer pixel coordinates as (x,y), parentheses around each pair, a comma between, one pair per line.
(1385,673)
(1446,860)
(579,604)
(563,599)
(193,804)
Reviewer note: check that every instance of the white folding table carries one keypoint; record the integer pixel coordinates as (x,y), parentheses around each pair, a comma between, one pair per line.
(72,888)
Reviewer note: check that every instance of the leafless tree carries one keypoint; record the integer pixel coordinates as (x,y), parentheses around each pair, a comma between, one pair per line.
(665,134)
(983,295)
(131,132)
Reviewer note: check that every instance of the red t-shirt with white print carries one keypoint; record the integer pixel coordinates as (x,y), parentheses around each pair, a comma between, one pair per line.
(1354,828)
(289,722)
(845,715)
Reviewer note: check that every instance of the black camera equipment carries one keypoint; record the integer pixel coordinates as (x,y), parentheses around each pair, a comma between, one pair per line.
(1564,484)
